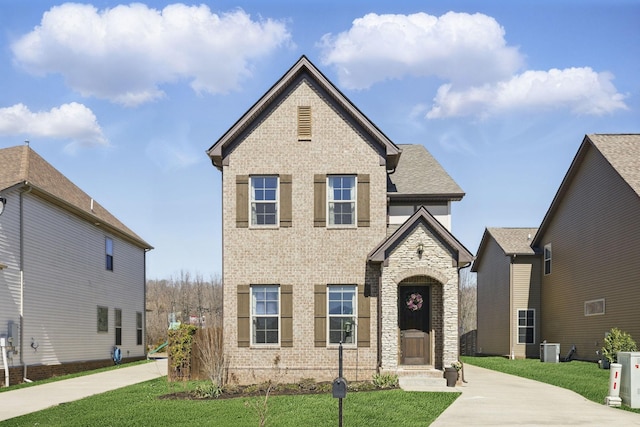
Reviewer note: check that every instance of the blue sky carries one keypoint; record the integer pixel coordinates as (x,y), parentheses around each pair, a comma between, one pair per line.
(125,98)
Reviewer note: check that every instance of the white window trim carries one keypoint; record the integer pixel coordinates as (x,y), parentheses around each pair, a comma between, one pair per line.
(355,201)
(604,307)
(253,315)
(353,344)
(276,202)
(532,327)
(544,259)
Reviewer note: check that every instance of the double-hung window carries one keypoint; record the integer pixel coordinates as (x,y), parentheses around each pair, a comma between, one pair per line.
(547,259)
(264,200)
(526,326)
(342,200)
(138,328)
(108,249)
(265,314)
(342,314)
(118,325)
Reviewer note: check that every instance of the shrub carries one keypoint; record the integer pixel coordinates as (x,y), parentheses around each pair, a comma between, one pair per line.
(385,380)
(615,342)
(208,391)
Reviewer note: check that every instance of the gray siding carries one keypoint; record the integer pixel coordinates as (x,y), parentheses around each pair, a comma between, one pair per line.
(595,237)
(493,301)
(65,279)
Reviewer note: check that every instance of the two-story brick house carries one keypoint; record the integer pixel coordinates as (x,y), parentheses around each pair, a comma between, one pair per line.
(331,232)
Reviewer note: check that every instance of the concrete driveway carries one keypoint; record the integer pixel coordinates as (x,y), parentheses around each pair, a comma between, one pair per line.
(492,398)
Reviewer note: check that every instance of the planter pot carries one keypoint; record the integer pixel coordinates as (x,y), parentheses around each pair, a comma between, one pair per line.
(451,376)
(605,364)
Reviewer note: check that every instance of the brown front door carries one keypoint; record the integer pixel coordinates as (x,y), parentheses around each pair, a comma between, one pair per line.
(414,318)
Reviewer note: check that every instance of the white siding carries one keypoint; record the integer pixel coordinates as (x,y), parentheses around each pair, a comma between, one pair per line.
(398,214)
(66,279)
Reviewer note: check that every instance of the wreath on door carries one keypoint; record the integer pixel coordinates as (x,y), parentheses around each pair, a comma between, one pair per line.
(414,302)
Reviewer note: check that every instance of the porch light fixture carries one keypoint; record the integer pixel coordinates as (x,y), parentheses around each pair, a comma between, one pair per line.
(3,201)
(420,249)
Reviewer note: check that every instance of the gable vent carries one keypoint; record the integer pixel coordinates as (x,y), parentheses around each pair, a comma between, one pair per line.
(304,123)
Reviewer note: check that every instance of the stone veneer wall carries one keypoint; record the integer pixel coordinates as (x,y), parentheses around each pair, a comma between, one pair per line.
(303,255)
(437,263)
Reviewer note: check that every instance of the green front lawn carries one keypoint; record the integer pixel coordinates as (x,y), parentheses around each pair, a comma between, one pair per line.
(585,378)
(139,405)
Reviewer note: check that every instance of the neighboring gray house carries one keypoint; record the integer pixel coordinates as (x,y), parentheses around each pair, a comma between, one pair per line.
(72,277)
(332,232)
(508,293)
(587,246)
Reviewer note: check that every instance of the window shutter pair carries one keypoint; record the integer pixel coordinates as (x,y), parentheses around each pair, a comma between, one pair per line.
(244,316)
(320,317)
(242,201)
(320,200)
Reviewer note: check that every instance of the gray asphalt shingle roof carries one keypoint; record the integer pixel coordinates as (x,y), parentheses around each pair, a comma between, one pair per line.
(622,151)
(514,240)
(419,173)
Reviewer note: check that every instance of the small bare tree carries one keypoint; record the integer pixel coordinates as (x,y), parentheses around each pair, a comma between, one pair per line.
(468,301)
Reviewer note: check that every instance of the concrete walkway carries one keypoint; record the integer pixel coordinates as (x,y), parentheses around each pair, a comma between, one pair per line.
(31,399)
(491,398)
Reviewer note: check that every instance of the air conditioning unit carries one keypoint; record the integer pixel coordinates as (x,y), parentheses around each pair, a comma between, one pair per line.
(630,378)
(550,352)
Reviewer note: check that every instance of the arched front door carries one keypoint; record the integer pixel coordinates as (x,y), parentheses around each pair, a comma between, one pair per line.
(414,318)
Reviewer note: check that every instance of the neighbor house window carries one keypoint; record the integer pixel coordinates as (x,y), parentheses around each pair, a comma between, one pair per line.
(118,325)
(342,200)
(526,326)
(103,319)
(594,307)
(265,314)
(264,200)
(108,248)
(138,328)
(341,300)
(547,259)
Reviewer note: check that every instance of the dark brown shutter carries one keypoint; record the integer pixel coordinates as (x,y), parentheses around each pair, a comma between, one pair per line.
(319,200)
(364,318)
(320,315)
(304,122)
(363,200)
(244,303)
(286,316)
(242,201)
(285,200)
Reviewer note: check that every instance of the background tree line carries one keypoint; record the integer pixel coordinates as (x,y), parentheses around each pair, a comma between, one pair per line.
(191,298)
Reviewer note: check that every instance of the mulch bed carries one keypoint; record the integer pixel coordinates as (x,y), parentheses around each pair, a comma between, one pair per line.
(302,388)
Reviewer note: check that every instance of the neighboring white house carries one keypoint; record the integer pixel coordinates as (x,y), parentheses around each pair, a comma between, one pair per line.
(72,277)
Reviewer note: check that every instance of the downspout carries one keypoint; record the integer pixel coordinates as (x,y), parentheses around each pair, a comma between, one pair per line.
(24,365)
(512,356)
(3,348)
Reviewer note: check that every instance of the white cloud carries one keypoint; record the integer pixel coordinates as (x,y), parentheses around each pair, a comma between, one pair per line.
(458,47)
(72,121)
(580,90)
(123,54)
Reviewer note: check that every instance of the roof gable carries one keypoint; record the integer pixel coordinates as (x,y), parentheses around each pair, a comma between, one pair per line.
(512,241)
(381,252)
(622,153)
(20,165)
(303,67)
